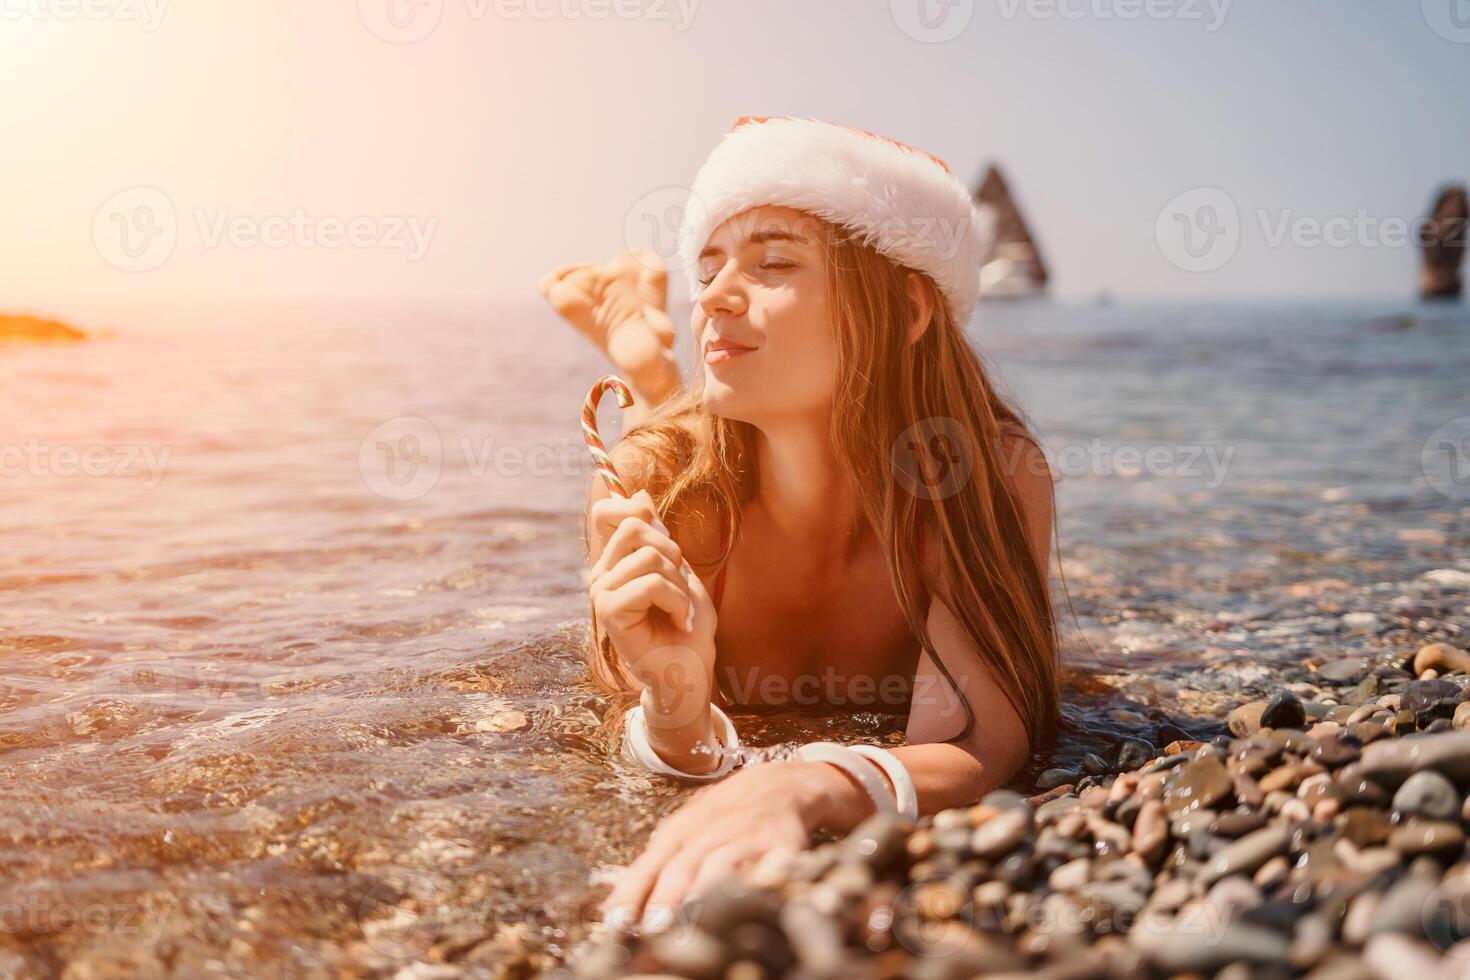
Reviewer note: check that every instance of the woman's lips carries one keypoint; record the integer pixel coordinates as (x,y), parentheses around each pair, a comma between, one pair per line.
(717,354)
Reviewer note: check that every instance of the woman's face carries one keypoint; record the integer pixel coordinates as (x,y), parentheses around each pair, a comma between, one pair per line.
(761,320)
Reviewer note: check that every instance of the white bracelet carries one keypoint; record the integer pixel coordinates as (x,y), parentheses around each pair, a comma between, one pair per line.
(854,765)
(898,775)
(638,750)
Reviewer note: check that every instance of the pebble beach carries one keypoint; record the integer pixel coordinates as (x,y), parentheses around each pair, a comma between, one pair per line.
(1323,835)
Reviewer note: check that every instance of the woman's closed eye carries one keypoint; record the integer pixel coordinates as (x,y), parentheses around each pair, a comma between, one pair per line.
(770,265)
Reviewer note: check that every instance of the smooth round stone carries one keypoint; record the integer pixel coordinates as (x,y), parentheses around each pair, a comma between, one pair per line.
(1357,788)
(1284,710)
(1245,720)
(878,840)
(1233,895)
(1248,791)
(1401,908)
(1248,853)
(1005,799)
(1151,831)
(1427,837)
(1370,730)
(1192,821)
(1284,778)
(1271,874)
(1181,946)
(1170,732)
(1343,670)
(1053,810)
(1421,694)
(1441,657)
(1361,622)
(1391,761)
(689,952)
(1001,833)
(1428,794)
(1461,719)
(1070,876)
(1397,957)
(1052,778)
(1296,810)
(1094,764)
(1238,823)
(1318,787)
(950,819)
(1133,753)
(1364,826)
(940,899)
(1197,784)
(1337,750)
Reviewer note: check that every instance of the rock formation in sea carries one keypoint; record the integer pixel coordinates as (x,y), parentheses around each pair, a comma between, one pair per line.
(1014,266)
(35,330)
(1444,245)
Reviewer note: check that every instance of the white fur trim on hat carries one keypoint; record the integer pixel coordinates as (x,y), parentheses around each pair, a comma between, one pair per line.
(901,201)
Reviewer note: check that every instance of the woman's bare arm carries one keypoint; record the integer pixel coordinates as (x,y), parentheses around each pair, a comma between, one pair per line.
(951,774)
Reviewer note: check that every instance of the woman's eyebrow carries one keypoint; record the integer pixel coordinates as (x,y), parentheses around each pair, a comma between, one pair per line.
(758,238)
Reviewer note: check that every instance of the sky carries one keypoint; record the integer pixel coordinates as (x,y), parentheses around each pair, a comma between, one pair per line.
(364,150)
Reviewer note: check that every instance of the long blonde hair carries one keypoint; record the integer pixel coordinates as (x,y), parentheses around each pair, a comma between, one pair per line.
(886,386)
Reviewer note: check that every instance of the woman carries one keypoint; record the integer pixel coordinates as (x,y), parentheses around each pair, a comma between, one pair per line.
(840,508)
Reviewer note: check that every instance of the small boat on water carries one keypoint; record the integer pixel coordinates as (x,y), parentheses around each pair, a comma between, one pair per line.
(1014,267)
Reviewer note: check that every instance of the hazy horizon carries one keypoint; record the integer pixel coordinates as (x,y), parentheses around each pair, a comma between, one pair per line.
(455,149)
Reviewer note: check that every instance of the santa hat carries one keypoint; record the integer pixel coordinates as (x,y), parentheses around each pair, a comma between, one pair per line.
(903,202)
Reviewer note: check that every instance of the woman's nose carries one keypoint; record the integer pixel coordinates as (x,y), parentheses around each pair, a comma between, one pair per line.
(722,296)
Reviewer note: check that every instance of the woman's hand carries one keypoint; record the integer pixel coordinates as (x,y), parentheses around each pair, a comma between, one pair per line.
(754,818)
(657,613)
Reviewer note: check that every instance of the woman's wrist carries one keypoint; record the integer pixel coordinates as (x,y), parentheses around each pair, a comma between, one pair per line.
(830,799)
(682,733)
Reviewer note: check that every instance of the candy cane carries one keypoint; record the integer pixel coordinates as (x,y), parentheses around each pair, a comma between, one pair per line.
(589,429)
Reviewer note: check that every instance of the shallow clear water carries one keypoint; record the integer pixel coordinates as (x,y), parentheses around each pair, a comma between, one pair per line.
(290,612)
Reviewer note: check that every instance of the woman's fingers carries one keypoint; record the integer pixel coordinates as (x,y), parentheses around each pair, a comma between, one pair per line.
(671,888)
(622,607)
(646,560)
(721,863)
(629,536)
(635,883)
(609,512)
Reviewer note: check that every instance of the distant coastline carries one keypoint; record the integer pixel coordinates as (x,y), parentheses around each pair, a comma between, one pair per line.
(37,330)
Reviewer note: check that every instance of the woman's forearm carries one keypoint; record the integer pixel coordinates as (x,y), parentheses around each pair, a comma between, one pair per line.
(683,735)
(944,776)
